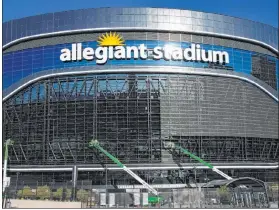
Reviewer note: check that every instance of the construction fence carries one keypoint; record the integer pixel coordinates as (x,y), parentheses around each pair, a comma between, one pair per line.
(133,198)
(179,198)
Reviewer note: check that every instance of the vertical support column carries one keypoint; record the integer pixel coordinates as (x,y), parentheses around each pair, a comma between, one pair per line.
(106,178)
(74,182)
(5,167)
(5,176)
(7,143)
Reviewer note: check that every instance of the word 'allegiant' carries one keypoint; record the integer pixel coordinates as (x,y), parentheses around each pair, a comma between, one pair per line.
(168,52)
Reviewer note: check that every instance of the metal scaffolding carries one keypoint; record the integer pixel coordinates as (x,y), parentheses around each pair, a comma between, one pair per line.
(132,114)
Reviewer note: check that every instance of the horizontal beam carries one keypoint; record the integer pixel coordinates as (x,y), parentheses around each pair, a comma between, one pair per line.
(146,69)
(38,169)
(146,168)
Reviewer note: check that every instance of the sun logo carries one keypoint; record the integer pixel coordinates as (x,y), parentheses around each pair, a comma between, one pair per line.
(111,39)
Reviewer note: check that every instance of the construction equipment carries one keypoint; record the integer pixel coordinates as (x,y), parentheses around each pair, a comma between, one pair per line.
(173,145)
(95,143)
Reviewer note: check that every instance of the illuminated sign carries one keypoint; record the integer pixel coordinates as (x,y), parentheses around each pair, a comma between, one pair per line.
(112,46)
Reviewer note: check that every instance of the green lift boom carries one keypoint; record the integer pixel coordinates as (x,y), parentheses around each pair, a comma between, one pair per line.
(95,144)
(186,152)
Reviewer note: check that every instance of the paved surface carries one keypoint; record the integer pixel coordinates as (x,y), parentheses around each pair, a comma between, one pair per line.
(274,205)
(28,204)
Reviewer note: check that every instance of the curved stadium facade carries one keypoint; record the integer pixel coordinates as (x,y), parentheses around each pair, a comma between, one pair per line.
(136,79)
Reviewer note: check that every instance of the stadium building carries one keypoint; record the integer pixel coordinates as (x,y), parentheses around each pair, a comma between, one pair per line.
(138,80)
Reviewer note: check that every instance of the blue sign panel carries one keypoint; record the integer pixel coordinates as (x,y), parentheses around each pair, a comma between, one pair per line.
(20,64)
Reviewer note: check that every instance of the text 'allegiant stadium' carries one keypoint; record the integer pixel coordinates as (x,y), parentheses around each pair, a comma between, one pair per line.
(168,52)
(111,46)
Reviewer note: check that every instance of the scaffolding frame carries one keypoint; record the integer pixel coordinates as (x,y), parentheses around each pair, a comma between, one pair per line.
(51,121)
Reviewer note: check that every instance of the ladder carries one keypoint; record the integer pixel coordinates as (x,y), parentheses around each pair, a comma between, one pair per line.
(95,144)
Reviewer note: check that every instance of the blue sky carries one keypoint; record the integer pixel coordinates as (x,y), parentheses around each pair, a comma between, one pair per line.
(265,11)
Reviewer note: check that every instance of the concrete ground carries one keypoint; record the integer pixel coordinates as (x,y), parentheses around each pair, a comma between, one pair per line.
(28,204)
(274,205)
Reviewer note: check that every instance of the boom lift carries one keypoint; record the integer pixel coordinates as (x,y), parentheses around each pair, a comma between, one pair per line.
(95,143)
(172,145)
(203,162)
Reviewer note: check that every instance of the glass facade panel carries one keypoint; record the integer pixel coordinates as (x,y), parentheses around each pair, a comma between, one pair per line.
(106,17)
(29,61)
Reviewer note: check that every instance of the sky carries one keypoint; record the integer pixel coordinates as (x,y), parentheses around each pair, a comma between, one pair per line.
(265,11)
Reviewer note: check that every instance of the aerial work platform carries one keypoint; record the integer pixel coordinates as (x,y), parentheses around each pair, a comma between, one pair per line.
(95,144)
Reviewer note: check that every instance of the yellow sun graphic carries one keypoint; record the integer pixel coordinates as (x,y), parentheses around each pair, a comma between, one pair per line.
(111,39)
